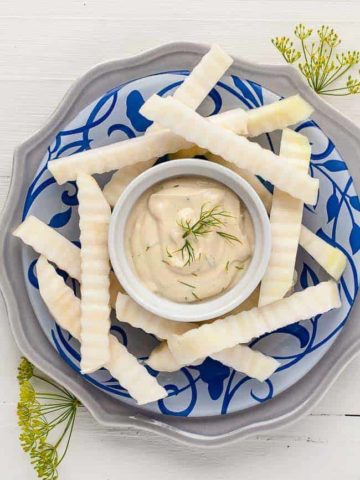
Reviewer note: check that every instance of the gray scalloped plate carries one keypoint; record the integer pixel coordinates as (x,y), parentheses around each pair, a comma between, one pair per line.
(206,426)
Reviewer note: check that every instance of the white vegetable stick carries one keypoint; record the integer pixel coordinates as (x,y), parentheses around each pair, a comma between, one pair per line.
(117,155)
(47,241)
(241,358)
(238,150)
(278,115)
(241,328)
(265,119)
(188,153)
(285,220)
(128,152)
(114,289)
(66,310)
(328,257)
(204,76)
(130,312)
(248,361)
(123,366)
(191,92)
(232,119)
(162,360)
(94,213)
(121,179)
(50,243)
(59,298)
(257,185)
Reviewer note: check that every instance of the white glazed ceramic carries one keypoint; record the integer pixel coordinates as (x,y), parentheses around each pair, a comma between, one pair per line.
(214,307)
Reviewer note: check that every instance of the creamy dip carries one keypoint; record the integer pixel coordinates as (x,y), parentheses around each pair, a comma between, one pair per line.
(189,238)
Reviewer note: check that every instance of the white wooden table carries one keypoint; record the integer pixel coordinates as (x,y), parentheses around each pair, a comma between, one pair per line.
(44,46)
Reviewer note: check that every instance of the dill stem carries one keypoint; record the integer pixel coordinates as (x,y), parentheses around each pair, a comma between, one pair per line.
(323,76)
(336,94)
(337,89)
(337,74)
(317,69)
(46,409)
(68,440)
(309,80)
(50,396)
(60,418)
(60,439)
(49,382)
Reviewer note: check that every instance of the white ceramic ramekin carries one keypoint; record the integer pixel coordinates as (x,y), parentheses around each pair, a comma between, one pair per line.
(206,309)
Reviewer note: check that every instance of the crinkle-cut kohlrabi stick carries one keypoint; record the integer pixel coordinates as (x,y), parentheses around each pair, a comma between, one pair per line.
(240,357)
(251,362)
(233,120)
(132,313)
(241,328)
(59,298)
(330,258)
(128,152)
(258,186)
(117,155)
(46,241)
(285,220)
(264,119)
(193,90)
(238,150)
(278,115)
(94,214)
(121,179)
(50,243)
(65,308)
(201,80)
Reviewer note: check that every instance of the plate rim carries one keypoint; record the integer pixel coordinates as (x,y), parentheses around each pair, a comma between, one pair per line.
(202,431)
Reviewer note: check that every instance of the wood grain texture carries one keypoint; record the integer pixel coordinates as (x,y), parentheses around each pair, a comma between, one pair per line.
(44,46)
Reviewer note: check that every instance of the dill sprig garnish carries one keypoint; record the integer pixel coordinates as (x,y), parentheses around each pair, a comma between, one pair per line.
(195,296)
(187,284)
(230,238)
(320,64)
(209,219)
(40,413)
(187,252)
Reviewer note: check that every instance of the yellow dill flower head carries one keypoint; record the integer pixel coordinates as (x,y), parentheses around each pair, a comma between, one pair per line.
(25,370)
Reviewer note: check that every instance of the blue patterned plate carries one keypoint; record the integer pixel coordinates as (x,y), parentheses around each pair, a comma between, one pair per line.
(211,388)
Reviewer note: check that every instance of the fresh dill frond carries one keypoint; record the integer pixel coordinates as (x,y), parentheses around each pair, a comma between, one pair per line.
(187,253)
(209,219)
(195,296)
(164,261)
(227,266)
(228,237)
(168,253)
(40,413)
(147,248)
(187,284)
(318,60)
(240,267)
